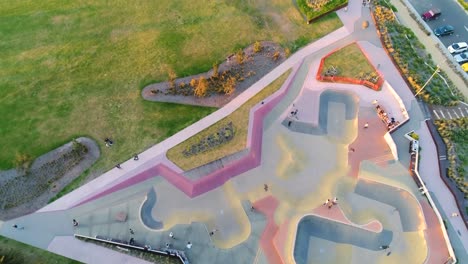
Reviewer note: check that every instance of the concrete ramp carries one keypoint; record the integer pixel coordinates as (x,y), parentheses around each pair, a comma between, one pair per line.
(311,227)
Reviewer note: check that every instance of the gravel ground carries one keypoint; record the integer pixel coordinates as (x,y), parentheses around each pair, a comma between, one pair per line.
(47,168)
(261,63)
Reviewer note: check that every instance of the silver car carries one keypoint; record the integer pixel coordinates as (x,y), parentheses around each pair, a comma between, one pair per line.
(462,57)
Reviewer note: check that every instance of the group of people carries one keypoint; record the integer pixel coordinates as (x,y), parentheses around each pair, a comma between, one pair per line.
(390,122)
(330,203)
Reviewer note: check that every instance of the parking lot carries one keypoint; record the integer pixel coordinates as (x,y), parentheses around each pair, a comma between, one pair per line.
(452,14)
(440,112)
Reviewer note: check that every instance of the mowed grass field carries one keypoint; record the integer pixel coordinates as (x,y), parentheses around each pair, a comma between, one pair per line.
(76,68)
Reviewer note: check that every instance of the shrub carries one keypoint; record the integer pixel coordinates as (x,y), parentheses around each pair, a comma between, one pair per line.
(229,86)
(240,56)
(257,47)
(202,87)
(22,161)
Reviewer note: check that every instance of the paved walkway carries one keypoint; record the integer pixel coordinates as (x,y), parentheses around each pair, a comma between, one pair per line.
(155,155)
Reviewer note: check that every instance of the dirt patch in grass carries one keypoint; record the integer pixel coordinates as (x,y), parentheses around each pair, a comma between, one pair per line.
(27,189)
(240,123)
(254,66)
(349,62)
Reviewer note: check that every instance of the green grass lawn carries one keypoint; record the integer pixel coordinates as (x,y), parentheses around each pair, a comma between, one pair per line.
(350,61)
(14,252)
(240,121)
(70,69)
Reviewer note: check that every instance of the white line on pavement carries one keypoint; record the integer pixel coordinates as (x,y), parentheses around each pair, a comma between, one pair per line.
(455,113)
(436,114)
(466,28)
(461,112)
(448,112)
(443,157)
(442,113)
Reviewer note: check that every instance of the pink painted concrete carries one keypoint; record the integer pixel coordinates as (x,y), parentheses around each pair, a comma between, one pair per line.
(437,248)
(267,206)
(369,144)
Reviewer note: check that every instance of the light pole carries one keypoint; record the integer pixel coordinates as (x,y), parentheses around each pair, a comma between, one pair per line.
(428,80)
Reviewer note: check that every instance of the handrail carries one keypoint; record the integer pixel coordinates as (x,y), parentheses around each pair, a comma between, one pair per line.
(174,253)
(431,202)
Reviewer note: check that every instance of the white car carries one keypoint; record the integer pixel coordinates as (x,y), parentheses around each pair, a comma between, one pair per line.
(458,47)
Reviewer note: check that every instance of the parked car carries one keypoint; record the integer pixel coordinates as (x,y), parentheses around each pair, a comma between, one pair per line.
(431,15)
(465,66)
(457,47)
(444,30)
(462,57)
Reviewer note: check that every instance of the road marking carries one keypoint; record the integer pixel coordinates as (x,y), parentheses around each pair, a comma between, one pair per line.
(442,113)
(455,113)
(436,114)
(466,109)
(461,112)
(442,157)
(466,28)
(449,115)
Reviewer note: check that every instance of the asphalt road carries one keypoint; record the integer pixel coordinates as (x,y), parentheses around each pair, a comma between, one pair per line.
(452,14)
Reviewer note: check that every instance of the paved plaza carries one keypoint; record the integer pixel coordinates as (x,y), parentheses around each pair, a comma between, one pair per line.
(268,205)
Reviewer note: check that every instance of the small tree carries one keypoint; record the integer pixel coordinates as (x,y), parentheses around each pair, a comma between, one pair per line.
(257,47)
(201,88)
(229,86)
(22,161)
(276,55)
(172,76)
(240,56)
(193,82)
(215,71)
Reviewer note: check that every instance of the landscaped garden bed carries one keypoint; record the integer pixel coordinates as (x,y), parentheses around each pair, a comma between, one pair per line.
(414,63)
(314,9)
(349,65)
(238,124)
(455,135)
(223,82)
(30,186)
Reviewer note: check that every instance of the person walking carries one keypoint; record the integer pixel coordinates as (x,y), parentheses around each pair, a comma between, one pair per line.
(118,166)
(75,223)
(15,226)
(131,231)
(135,158)
(189,245)
(171,235)
(366,125)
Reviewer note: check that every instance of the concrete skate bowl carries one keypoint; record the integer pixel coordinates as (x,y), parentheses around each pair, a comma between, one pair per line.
(334,110)
(312,227)
(145,211)
(410,212)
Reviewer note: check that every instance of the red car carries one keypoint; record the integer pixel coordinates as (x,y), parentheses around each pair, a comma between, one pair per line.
(431,14)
